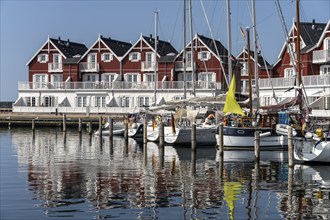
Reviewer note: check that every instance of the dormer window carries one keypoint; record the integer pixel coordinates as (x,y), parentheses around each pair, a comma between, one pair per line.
(107,57)
(204,55)
(43,58)
(134,57)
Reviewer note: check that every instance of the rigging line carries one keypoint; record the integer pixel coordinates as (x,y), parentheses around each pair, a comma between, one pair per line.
(263,59)
(279,10)
(215,45)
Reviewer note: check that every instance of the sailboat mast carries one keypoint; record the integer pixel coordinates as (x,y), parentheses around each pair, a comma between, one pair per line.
(256,58)
(155,58)
(298,49)
(230,69)
(184,51)
(192,50)
(249,68)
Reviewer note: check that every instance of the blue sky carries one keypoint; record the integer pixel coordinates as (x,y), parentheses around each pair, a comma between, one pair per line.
(25,26)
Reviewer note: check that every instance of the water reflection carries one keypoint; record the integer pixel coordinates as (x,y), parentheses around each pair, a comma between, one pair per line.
(78,175)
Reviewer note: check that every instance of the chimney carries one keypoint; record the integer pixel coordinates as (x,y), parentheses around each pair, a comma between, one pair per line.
(157,38)
(59,39)
(150,35)
(68,42)
(313,24)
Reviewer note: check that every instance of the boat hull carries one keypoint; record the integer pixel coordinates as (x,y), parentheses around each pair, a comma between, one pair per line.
(311,150)
(204,136)
(244,138)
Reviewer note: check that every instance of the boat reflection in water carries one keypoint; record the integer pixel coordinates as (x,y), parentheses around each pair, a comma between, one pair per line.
(79,176)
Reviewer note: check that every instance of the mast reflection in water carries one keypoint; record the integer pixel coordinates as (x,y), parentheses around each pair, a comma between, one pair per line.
(67,175)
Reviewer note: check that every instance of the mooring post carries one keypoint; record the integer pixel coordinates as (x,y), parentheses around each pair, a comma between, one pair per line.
(145,131)
(64,122)
(100,126)
(161,134)
(220,141)
(33,125)
(90,127)
(257,146)
(110,120)
(79,125)
(193,137)
(126,131)
(290,147)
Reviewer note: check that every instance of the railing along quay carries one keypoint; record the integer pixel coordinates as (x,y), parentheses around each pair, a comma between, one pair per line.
(50,120)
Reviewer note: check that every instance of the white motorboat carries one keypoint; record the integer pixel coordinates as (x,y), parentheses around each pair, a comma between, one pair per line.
(118,130)
(154,135)
(135,130)
(312,148)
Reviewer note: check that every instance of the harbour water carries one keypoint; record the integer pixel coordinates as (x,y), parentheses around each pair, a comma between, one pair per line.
(51,174)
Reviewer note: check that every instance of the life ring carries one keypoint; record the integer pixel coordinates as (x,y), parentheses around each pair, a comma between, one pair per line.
(246,123)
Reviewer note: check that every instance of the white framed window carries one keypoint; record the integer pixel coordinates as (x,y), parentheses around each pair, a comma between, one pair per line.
(289,72)
(40,80)
(81,101)
(325,70)
(56,80)
(134,57)
(109,77)
(326,43)
(100,101)
(30,101)
(92,61)
(43,58)
(149,77)
(244,70)
(48,101)
(123,101)
(132,77)
(57,58)
(107,57)
(90,77)
(204,55)
(188,59)
(143,101)
(206,77)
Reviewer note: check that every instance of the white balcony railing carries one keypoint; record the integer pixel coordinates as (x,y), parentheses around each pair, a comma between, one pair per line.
(321,56)
(89,67)
(55,67)
(287,82)
(148,66)
(169,85)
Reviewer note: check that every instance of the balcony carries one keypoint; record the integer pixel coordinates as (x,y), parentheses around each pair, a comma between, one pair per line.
(148,66)
(321,56)
(55,67)
(309,81)
(88,67)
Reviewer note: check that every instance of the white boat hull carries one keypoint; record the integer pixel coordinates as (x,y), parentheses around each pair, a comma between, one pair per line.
(311,150)
(272,141)
(154,135)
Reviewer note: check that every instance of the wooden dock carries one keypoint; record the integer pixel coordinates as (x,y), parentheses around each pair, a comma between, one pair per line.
(72,120)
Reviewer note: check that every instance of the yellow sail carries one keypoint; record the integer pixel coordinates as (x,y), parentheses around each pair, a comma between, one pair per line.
(231,105)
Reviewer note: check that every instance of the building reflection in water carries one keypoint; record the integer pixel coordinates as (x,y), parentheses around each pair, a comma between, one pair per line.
(66,170)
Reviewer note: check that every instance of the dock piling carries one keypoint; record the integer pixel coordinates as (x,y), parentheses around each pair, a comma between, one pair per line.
(161,135)
(145,131)
(79,125)
(100,127)
(290,147)
(64,122)
(257,146)
(221,149)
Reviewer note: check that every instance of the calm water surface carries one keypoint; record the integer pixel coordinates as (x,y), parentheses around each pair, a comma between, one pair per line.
(71,176)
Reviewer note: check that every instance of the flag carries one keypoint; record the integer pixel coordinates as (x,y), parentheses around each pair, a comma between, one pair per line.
(172,123)
(231,105)
(242,32)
